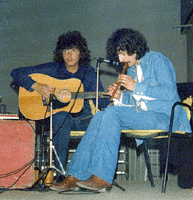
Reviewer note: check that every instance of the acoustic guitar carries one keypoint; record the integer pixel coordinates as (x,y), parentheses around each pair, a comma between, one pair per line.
(66,98)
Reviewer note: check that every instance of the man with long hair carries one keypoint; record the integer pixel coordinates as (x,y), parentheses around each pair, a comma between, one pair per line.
(149,92)
(71,60)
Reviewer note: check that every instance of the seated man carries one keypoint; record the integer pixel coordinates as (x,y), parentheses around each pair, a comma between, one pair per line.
(71,60)
(145,103)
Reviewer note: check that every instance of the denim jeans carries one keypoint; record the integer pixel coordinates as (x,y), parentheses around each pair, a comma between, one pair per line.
(63,123)
(97,152)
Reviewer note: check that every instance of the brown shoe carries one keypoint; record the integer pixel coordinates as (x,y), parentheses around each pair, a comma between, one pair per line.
(66,185)
(95,183)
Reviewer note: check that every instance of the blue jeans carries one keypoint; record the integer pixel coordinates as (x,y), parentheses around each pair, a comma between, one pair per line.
(97,152)
(63,123)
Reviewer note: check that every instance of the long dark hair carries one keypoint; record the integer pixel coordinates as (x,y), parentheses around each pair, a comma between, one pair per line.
(126,39)
(69,40)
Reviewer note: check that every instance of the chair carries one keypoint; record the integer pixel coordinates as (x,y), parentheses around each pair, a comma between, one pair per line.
(147,134)
(175,134)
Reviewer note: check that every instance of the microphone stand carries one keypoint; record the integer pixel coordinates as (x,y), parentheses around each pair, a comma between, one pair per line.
(52,147)
(97,83)
(52,150)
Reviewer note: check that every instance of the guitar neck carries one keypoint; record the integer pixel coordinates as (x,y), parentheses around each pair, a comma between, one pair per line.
(88,95)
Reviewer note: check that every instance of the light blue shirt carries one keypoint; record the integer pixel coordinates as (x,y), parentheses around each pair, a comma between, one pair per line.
(159,83)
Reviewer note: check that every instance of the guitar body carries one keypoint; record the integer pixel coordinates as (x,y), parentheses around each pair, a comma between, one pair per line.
(31,104)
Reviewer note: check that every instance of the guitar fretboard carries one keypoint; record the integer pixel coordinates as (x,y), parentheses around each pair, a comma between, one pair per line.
(88,95)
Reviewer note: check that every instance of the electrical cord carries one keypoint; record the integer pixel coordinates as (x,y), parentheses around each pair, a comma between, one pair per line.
(27,166)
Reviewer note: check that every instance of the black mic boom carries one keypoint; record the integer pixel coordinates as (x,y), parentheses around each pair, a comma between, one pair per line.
(108,61)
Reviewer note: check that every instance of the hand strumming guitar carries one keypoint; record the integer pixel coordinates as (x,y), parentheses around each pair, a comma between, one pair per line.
(43,89)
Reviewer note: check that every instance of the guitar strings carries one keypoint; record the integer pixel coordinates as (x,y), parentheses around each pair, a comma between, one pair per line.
(54,134)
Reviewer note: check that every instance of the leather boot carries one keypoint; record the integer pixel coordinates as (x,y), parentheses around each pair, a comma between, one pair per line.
(67,184)
(95,183)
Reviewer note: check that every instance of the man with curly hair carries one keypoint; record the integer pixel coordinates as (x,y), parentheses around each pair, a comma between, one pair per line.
(149,91)
(71,60)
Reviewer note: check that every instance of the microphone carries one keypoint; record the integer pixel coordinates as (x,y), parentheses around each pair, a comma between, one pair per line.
(108,61)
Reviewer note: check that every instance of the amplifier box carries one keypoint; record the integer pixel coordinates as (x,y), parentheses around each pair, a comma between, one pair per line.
(17,144)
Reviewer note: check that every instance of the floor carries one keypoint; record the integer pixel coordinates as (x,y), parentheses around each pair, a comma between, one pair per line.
(134,190)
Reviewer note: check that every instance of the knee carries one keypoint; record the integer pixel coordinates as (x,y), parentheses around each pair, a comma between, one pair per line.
(98,115)
(112,110)
(62,117)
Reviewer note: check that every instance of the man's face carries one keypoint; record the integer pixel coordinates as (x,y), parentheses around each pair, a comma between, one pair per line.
(71,57)
(129,59)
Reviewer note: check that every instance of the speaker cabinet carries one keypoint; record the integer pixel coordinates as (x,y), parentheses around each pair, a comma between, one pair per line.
(17,144)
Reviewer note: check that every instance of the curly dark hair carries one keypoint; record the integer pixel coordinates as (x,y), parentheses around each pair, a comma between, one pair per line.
(68,41)
(126,39)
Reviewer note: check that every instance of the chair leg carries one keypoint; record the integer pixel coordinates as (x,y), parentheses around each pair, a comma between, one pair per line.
(166,166)
(119,186)
(150,176)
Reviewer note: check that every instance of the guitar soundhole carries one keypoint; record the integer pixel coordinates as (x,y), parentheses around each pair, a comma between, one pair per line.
(63,95)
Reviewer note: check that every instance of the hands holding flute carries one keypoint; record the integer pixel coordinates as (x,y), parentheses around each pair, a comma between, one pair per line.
(123,80)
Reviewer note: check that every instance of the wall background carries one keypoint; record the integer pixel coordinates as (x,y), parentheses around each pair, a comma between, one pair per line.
(30,28)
